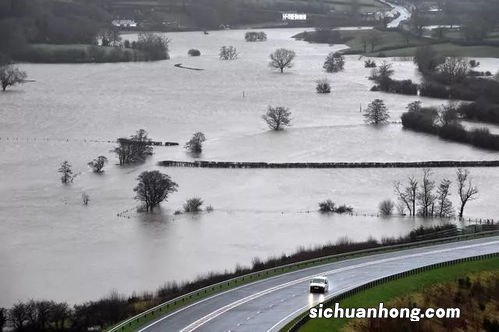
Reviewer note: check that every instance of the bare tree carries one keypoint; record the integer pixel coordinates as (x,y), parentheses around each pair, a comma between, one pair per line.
(282,58)
(10,76)
(465,188)
(444,205)
(153,188)
(277,117)
(67,172)
(228,53)
(377,113)
(454,69)
(407,195)
(195,144)
(425,196)
(334,62)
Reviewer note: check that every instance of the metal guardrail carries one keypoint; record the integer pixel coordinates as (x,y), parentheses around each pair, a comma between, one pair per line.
(224,285)
(304,317)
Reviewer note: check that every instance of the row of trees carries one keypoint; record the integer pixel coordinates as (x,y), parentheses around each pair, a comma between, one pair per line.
(425,198)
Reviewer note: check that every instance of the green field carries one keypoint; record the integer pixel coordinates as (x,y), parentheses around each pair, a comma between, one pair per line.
(393,289)
(396,44)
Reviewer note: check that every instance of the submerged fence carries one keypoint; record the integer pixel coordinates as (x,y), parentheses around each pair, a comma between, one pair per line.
(251,164)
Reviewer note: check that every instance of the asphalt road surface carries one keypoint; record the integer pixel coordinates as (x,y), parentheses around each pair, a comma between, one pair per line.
(269,304)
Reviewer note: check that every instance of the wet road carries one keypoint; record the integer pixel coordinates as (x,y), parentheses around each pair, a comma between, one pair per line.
(269,304)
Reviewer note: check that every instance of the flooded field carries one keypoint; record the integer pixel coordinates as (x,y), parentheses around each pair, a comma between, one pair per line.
(52,247)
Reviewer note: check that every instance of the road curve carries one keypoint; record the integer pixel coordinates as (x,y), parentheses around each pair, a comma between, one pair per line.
(269,304)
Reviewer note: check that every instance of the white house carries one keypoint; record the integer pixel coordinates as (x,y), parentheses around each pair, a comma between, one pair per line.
(293,16)
(124,23)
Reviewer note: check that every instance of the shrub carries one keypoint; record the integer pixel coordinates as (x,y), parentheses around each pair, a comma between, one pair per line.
(344,209)
(369,64)
(453,132)
(405,87)
(252,36)
(423,120)
(177,212)
(228,53)
(334,62)
(323,86)
(195,144)
(193,205)
(209,208)
(194,52)
(386,207)
(327,206)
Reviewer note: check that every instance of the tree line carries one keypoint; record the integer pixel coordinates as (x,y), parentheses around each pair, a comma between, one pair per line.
(426,198)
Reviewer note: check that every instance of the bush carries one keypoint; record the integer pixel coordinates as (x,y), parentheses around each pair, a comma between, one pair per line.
(328,206)
(423,120)
(386,207)
(209,209)
(323,86)
(481,110)
(334,62)
(228,53)
(369,64)
(453,132)
(405,87)
(193,205)
(251,36)
(194,52)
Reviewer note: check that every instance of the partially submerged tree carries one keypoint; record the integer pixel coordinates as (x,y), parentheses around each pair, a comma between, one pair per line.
(277,117)
(282,58)
(407,195)
(195,144)
(228,53)
(425,195)
(334,62)
(444,204)
(386,207)
(154,46)
(153,188)
(193,205)
(85,198)
(253,36)
(134,149)
(66,171)
(98,164)
(382,75)
(323,86)
(466,190)
(377,113)
(10,75)
(454,69)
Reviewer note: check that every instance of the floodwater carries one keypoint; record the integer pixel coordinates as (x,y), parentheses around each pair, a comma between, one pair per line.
(52,247)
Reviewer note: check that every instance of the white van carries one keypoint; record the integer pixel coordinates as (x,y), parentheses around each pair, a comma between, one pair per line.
(319,285)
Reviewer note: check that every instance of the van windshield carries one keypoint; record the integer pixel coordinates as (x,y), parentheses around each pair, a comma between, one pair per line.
(318,281)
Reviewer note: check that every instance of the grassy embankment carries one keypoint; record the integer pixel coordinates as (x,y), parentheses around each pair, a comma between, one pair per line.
(397,288)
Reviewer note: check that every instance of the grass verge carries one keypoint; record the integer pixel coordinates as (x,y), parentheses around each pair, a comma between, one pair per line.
(393,289)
